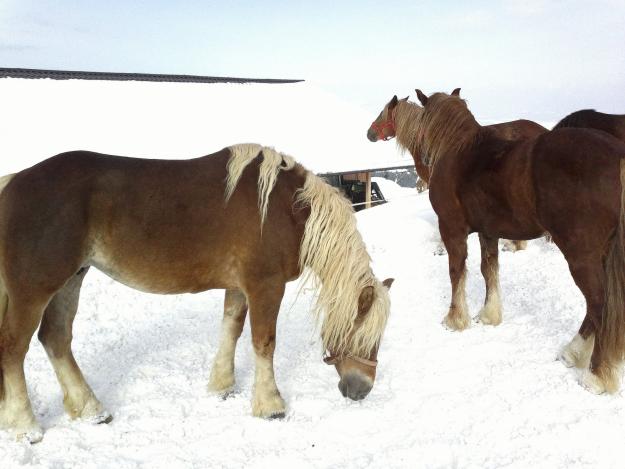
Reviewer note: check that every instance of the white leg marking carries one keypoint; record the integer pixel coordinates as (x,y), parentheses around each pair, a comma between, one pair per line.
(578,352)
(78,398)
(221,379)
(458,318)
(16,413)
(267,401)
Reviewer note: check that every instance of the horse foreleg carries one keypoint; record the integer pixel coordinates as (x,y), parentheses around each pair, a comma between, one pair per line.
(55,334)
(222,374)
(457,317)
(491,312)
(264,307)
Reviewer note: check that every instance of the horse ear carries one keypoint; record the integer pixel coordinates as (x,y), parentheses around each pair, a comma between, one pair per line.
(456,92)
(422,97)
(365,300)
(388,282)
(393,102)
(406,98)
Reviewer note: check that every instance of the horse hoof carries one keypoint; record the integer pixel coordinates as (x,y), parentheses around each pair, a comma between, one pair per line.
(106,419)
(277,416)
(222,394)
(591,382)
(455,325)
(32,436)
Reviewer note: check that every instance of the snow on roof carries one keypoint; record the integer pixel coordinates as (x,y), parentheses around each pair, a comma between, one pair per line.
(41,118)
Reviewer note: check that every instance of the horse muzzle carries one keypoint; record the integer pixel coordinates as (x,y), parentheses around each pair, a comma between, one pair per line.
(355,386)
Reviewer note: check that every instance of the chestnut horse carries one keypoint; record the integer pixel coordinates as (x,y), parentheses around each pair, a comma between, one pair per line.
(398,118)
(614,124)
(245,219)
(569,182)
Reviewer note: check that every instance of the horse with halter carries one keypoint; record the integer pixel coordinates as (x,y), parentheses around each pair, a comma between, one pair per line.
(614,124)
(398,119)
(156,225)
(568,182)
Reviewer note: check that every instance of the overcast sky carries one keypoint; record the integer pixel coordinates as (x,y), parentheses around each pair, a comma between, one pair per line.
(513,58)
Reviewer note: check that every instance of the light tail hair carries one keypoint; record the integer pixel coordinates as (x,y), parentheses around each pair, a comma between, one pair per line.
(611,337)
(273,162)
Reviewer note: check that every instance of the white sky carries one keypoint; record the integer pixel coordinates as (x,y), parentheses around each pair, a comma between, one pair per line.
(513,58)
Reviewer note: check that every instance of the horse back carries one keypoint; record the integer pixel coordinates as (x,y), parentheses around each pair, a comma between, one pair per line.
(584,164)
(614,124)
(520,129)
(156,225)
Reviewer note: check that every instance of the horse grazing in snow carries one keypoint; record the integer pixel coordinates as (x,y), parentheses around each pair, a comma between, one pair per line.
(568,182)
(157,226)
(398,119)
(614,124)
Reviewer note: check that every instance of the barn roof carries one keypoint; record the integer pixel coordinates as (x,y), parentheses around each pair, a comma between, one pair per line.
(114,76)
(182,120)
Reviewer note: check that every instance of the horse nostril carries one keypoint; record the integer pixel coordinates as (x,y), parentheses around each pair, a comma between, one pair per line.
(371,136)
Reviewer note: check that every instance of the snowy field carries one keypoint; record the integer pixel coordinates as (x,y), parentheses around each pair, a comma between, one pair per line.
(483,398)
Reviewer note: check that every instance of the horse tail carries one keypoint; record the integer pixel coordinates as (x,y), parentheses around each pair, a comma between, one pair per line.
(611,339)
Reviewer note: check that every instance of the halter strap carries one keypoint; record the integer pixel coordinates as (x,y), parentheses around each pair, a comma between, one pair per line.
(379,127)
(334,359)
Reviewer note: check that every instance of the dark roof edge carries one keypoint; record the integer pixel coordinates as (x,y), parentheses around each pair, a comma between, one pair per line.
(371,170)
(81,75)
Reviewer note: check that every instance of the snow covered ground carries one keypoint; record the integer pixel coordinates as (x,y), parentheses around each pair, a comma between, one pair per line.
(484,398)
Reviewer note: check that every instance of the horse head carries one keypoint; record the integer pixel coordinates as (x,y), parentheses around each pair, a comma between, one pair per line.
(357,372)
(383,127)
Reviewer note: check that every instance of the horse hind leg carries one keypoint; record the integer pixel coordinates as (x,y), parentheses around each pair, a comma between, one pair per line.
(19,321)
(491,312)
(590,348)
(55,334)
(221,380)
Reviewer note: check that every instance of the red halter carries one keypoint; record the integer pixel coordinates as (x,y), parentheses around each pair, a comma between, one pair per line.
(379,127)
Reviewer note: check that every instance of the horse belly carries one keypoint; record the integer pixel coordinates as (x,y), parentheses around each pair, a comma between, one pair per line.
(157,273)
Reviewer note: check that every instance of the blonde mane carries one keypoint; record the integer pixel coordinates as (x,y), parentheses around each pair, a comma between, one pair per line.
(335,253)
(445,126)
(332,253)
(273,162)
(406,114)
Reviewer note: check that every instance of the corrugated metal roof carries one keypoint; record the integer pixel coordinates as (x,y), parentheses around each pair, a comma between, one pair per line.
(81,75)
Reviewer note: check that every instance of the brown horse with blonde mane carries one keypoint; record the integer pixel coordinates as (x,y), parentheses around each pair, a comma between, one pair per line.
(246,219)
(568,182)
(614,124)
(398,119)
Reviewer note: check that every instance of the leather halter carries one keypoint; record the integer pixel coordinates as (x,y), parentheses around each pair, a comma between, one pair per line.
(334,359)
(379,127)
